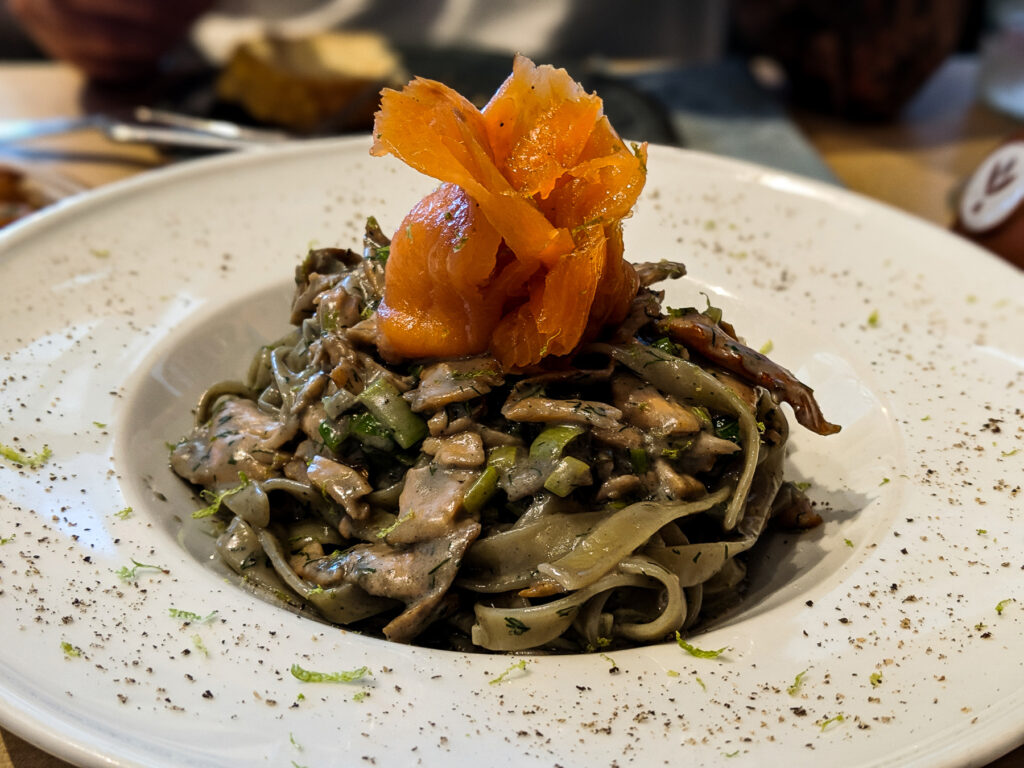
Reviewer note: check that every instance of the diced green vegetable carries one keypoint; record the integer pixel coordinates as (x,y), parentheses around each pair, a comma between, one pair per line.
(570,473)
(550,444)
(481,491)
(370,432)
(503,457)
(384,401)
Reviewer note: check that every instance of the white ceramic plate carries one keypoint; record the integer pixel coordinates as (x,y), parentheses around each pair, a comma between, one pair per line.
(118,309)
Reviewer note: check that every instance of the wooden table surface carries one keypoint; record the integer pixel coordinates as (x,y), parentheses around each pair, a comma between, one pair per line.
(915,163)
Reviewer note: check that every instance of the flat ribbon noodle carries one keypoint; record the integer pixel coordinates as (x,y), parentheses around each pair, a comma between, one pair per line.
(693,384)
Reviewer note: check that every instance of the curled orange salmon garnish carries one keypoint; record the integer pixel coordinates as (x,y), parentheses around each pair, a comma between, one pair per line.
(519,251)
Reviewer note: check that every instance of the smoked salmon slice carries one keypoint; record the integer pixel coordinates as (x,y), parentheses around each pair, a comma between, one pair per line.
(519,251)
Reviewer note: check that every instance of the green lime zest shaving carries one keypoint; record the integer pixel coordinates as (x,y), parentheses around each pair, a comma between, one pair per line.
(383,532)
(216,499)
(798,681)
(698,652)
(128,574)
(34,461)
(521,665)
(70,650)
(347,676)
(837,719)
(189,616)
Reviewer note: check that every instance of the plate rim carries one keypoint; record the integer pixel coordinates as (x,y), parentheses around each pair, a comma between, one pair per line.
(32,728)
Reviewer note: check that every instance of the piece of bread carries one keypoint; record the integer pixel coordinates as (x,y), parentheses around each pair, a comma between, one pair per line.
(320,84)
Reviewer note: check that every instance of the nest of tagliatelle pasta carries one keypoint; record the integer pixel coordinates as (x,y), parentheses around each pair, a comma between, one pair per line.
(485,432)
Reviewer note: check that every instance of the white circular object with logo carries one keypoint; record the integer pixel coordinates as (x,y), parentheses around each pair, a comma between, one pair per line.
(995,189)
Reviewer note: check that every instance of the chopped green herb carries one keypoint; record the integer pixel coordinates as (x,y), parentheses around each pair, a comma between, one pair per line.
(1001,605)
(332,437)
(197,641)
(698,652)
(671,673)
(885,481)
(99,424)
(1008,454)
(727,427)
(515,626)
(798,681)
(100,253)
(70,650)
(32,462)
(216,499)
(521,664)
(349,676)
(767,347)
(712,313)
(837,719)
(360,695)
(926,418)
(982,531)
(848,543)
(611,661)
(732,754)
(5,539)
(803,486)
(666,345)
(876,679)
(438,566)
(195,618)
(873,319)
(128,574)
(124,514)
(291,738)
(701,683)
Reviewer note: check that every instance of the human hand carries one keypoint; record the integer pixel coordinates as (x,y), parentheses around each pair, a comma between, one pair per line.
(108,39)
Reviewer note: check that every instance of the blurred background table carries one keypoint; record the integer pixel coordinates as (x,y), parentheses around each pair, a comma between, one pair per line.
(915,163)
